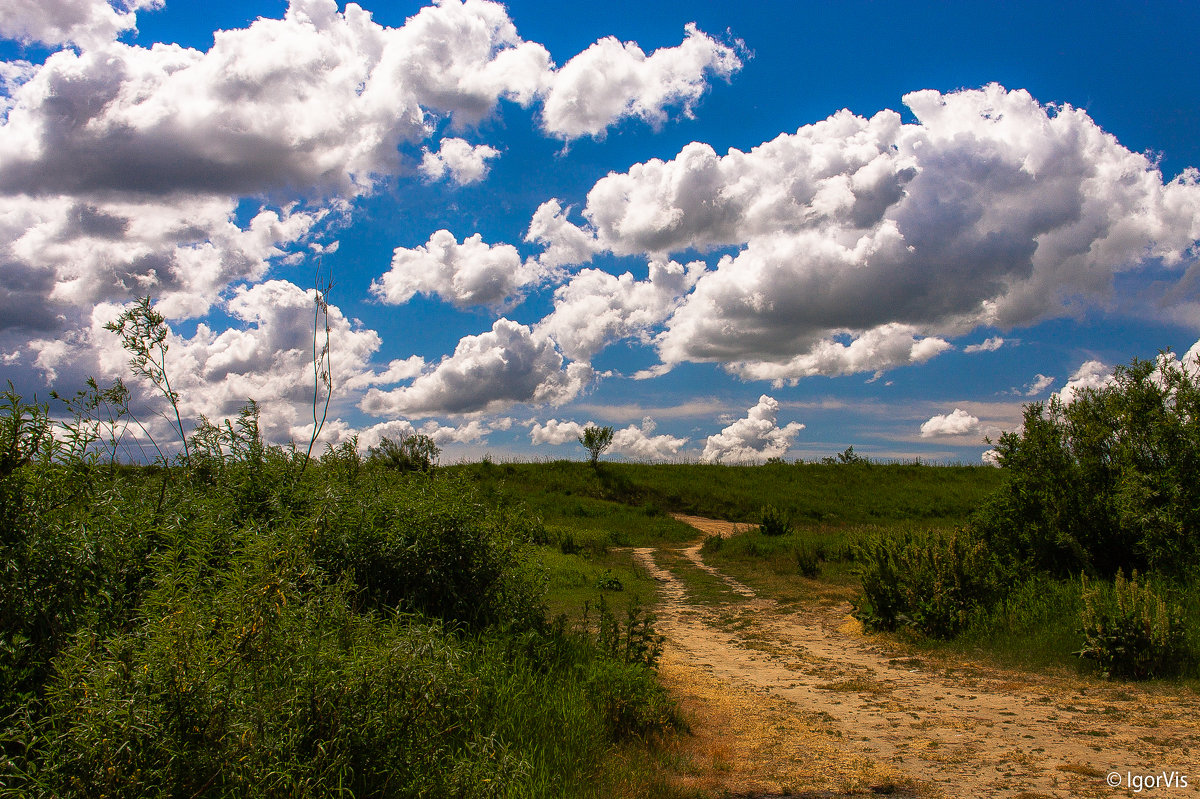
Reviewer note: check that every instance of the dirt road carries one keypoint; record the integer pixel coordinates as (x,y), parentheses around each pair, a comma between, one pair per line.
(805,704)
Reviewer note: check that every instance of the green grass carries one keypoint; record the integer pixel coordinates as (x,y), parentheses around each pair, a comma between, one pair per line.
(1036,628)
(840,494)
(769,565)
(576,579)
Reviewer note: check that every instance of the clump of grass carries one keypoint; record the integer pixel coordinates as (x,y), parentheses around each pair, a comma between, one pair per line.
(933,583)
(807,561)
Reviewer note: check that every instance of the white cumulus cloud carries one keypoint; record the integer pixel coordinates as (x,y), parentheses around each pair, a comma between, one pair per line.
(466,274)
(637,441)
(612,80)
(756,437)
(87,23)
(554,432)
(1090,374)
(634,441)
(596,308)
(398,370)
(507,365)
(472,432)
(265,356)
(990,209)
(463,162)
(957,423)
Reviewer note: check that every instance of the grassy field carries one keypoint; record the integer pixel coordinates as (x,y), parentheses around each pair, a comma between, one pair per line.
(591,516)
(833,494)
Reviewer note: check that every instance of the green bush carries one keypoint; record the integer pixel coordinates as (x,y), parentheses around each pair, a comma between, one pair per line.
(629,699)
(409,453)
(609,582)
(1131,631)
(773,522)
(931,582)
(429,545)
(1110,481)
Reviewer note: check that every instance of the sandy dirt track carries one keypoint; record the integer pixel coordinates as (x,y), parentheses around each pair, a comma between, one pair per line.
(805,704)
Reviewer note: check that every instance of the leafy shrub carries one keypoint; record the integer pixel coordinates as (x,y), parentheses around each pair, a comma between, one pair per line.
(849,457)
(609,582)
(631,702)
(266,682)
(1131,631)
(773,521)
(931,582)
(636,641)
(409,453)
(73,544)
(1110,481)
(428,544)
(712,543)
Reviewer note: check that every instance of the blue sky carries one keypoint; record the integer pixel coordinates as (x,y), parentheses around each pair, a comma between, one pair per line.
(730,231)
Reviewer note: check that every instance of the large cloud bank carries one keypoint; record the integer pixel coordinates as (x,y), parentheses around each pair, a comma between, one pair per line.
(183,174)
(864,244)
(858,245)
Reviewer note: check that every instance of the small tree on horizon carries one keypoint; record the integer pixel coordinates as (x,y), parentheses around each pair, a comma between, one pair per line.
(596,440)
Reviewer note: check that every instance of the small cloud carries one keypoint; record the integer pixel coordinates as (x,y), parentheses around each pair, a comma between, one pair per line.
(555,432)
(757,436)
(397,371)
(652,372)
(1090,374)
(990,458)
(463,162)
(990,345)
(1036,386)
(953,424)
(638,443)
(473,273)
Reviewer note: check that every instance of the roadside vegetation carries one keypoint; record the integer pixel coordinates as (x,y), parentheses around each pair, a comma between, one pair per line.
(1089,548)
(235,624)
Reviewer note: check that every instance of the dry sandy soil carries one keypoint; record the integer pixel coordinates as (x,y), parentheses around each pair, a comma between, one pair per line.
(787,703)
